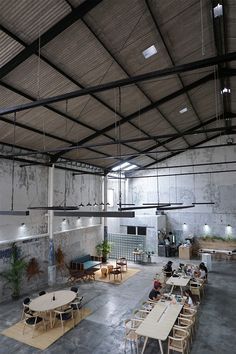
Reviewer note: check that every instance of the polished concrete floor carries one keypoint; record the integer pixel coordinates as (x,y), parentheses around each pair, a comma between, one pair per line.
(103,331)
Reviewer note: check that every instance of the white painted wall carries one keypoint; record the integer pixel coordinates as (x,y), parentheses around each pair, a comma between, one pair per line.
(219,188)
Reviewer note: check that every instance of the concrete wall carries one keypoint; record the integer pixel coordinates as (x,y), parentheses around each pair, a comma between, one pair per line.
(219,188)
(30,188)
(74,243)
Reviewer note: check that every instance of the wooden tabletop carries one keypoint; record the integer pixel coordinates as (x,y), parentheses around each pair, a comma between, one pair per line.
(160,320)
(178,281)
(46,302)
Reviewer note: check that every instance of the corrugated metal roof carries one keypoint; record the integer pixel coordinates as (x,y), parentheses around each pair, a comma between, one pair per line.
(106,46)
(29,19)
(9,48)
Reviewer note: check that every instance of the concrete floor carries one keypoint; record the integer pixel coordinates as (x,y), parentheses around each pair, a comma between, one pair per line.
(103,331)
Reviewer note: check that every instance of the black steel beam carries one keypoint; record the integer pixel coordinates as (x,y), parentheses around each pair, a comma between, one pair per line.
(203,63)
(177,153)
(76,82)
(221,49)
(223,130)
(64,115)
(127,73)
(180,174)
(76,14)
(171,59)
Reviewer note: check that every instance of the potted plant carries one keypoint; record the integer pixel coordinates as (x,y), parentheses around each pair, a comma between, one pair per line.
(103,249)
(15,272)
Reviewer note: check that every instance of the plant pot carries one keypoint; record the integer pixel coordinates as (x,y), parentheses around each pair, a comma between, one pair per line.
(104,259)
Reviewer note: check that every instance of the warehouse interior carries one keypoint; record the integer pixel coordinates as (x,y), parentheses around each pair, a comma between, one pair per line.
(117,124)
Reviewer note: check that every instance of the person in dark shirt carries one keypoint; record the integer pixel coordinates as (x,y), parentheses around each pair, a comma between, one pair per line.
(155,294)
(168,269)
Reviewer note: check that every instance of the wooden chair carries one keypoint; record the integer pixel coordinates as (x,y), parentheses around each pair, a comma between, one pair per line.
(178,344)
(33,321)
(63,316)
(75,275)
(196,289)
(190,316)
(130,333)
(140,314)
(122,262)
(26,309)
(77,306)
(187,325)
(90,274)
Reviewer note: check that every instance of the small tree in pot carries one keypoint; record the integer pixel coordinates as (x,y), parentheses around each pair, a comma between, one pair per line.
(103,249)
(15,272)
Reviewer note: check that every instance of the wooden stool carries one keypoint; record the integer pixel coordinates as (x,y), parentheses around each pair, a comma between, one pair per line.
(109,268)
(104,272)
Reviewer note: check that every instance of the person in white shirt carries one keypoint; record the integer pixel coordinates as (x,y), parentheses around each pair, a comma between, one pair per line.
(189,301)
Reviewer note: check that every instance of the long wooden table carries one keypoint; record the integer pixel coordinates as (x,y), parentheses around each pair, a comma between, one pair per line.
(181,281)
(159,322)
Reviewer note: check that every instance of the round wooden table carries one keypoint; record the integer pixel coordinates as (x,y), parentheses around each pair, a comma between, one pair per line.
(46,303)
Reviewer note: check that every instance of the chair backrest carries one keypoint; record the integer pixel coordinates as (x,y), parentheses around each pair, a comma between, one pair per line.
(74,288)
(26,301)
(42,293)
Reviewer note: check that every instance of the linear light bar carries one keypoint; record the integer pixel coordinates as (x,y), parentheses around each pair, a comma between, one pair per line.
(54,208)
(174,208)
(144,207)
(14,212)
(203,203)
(96,214)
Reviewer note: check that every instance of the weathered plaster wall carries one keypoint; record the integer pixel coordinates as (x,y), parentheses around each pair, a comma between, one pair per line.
(77,236)
(73,243)
(219,188)
(30,188)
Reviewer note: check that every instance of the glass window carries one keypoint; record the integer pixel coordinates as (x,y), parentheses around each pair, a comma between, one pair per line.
(131,230)
(142,230)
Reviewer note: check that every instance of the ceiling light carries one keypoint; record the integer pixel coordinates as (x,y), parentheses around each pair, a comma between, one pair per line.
(149,52)
(130,167)
(120,167)
(183,110)
(225,90)
(218,10)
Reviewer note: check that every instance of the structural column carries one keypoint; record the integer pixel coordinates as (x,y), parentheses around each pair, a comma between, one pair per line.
(105,227)
(51,255)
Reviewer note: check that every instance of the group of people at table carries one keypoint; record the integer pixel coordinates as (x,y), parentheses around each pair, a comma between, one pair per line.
(165,313)
(196,273)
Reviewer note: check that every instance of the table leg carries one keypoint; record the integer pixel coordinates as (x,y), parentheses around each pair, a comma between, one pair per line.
(144,345)
(181,290)
(172,288)
(160,344)
(50,316)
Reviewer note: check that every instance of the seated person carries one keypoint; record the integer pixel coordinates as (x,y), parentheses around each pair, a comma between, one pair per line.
(168,269)
(155,294)
(203,271)
(190,301)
